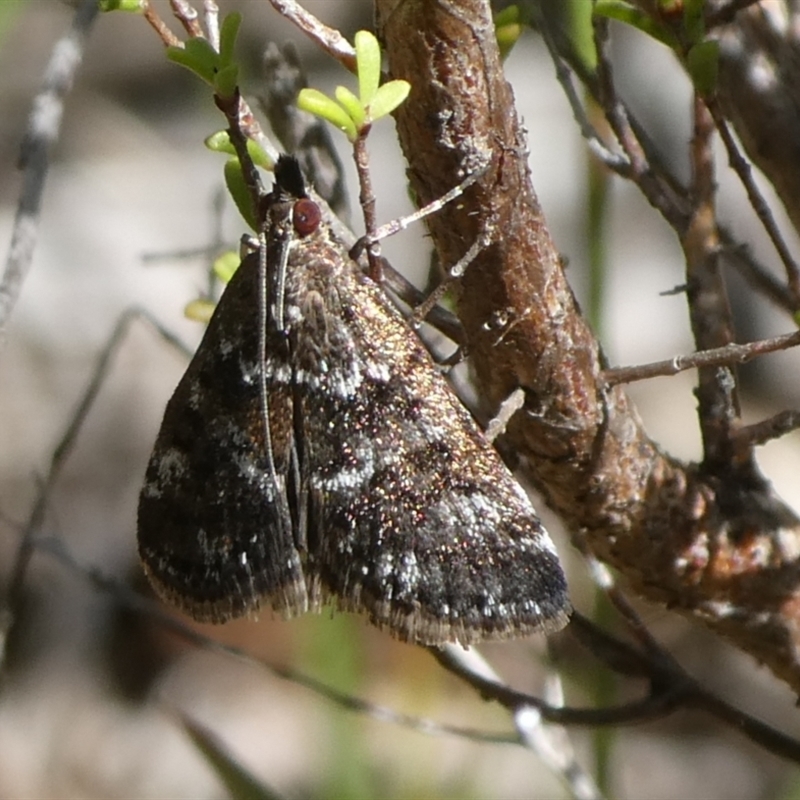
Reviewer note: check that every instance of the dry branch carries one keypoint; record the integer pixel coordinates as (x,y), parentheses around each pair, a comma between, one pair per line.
(709,545)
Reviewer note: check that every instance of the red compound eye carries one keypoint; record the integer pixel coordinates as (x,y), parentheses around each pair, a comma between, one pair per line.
(305,216)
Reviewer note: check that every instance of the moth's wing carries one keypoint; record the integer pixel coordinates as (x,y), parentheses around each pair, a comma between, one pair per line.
(216,535)
(413,516)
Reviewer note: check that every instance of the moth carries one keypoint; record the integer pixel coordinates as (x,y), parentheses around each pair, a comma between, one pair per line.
(312,453)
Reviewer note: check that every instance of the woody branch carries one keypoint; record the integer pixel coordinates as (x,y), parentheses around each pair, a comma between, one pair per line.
(706,540)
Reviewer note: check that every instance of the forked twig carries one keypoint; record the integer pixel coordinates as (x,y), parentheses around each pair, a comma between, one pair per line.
(550,742)
(329,40)
(742,168)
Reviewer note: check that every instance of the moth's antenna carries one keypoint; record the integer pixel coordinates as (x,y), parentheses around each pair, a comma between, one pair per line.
(277,481)
(262,352)
(280,287)
(289,184)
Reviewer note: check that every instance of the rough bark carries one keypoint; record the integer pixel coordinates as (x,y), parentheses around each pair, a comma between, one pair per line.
(711,545)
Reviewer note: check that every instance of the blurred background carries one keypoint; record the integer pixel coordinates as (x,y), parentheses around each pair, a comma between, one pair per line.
(92,697)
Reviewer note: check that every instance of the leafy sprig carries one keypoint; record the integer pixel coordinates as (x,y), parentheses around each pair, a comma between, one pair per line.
(351,114)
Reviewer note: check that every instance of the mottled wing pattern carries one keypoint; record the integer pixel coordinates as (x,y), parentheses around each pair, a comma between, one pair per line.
(412,515)
(384,497)
(215,529)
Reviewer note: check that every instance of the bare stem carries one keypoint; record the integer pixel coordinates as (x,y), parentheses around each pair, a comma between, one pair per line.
(366,197)
(186,14)
(168,38)
(328,39)
(741,167)
(721,356)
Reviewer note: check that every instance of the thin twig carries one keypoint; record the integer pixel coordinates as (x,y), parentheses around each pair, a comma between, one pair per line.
(327,39)
(168,38)
(551,743)
(440,318)
(235,111)
(604,579)
(186,14)
(655,706)
(617,162)
(366,197)
(499,422)
(709,311)
(720,356)
(454,273)
(211,13)
(742,168)
(768,429)
(44,125)
(757,275)
(653,186)
(401,223)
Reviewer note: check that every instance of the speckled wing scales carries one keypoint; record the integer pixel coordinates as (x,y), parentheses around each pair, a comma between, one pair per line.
(385,497)
(419,522)
(215,529)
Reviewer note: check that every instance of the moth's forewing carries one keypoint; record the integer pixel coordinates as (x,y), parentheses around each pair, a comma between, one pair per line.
(385,497)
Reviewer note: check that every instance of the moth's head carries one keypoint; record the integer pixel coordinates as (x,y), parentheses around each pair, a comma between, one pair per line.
(290,198)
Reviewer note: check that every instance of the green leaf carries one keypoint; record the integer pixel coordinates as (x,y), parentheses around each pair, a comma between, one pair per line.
(315,102)
(198,56)
(220,142)
(702,62)
(199,310)
(576,19)
(508,16)
(368,60)
(630,15)
(507,36)
(234,180)
(136,6)
(694,25)
(201,49)
(387,98)
(178,55)
(226,265)
(227,37)
(352,105)
(260,156)
(226,80)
